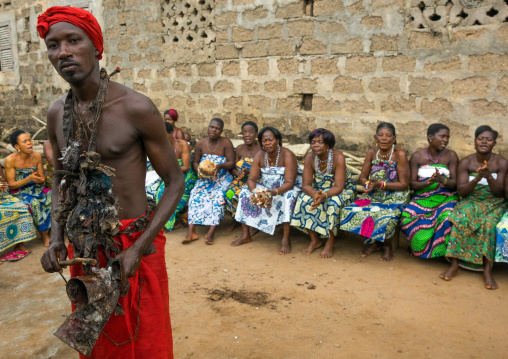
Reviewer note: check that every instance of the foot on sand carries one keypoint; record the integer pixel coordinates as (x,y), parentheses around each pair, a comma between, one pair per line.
(312,247)
(242,240)
(388,253)
(190,238)
(285,247)
(449,274)
(374,247)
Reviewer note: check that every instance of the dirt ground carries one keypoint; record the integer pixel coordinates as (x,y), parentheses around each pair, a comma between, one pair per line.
(250,302)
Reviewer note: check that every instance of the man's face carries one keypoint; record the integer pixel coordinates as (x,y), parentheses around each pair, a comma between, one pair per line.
(71,52)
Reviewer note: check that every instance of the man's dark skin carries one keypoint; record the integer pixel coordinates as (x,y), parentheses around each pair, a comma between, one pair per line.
(216,145)
(129,129)
(484,163)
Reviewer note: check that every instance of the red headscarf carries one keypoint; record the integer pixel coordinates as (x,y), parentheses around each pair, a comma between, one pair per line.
(173,114)
(75,16)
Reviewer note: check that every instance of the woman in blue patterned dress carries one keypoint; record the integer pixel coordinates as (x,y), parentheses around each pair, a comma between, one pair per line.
(271,192)
(208,197)
(385,176)
(25,175)
(327,187)
(16,224)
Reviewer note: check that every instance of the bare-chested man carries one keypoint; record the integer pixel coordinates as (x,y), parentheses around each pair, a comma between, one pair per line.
(207,199)
(129,128)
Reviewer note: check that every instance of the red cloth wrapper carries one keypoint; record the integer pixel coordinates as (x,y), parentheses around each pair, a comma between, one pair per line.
(75,16)
(154,339)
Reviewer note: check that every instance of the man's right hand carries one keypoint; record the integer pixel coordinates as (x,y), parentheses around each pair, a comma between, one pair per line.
(50,259)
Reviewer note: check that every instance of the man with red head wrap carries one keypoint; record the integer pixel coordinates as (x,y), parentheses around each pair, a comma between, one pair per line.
(101,120)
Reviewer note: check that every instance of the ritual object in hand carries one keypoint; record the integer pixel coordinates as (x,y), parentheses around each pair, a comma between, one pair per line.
(206,169)
(261,198)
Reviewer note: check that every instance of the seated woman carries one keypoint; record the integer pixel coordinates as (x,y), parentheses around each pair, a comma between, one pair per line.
(434,179)
(327,187)
(271,192)
(213,158)
(16,224)
(155,185)
(385,176)
(480,183)
(25,176)
(244,155)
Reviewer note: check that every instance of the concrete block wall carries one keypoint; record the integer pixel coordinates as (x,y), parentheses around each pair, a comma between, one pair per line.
(300,64)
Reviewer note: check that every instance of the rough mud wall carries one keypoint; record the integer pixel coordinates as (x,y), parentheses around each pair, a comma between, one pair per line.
(301,64)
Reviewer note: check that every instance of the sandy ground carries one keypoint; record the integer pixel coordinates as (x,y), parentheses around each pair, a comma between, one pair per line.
(250,302)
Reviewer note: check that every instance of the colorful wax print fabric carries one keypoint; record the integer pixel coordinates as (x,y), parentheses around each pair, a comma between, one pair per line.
(473,234)
(190,181)
(282,207)
(425,219)
(152,181)
(237,184)
(16,222)
(502,240)
(325,217)
(36,196)
(207,198)
(376,215)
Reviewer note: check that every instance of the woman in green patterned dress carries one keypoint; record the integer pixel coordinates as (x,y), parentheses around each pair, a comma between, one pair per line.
(434,180)
(480,183)
(385,176)
(327,187)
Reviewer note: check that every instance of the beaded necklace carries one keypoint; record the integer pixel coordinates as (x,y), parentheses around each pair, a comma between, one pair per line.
(435,161)
(276,160)
(385,157)
(329,161)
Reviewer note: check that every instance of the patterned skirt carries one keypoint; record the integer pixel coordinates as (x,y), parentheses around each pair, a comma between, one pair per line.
(282,206)
(325,217)
(207,198)
(425,220)
(16,222)
(473,234)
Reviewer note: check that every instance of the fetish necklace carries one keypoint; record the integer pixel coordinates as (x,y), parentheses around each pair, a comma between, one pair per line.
(384,157)
(267,163)
(329,163)
(208,145)
(435,161)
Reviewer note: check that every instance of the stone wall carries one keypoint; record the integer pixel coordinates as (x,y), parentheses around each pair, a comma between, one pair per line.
(299,64)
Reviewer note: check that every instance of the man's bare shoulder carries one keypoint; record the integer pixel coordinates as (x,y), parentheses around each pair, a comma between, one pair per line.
(56,108)
(134,103)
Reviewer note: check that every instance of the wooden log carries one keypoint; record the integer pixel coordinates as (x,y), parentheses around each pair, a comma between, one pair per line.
(353,157)
(40,121)
(6,134)
(353,170)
